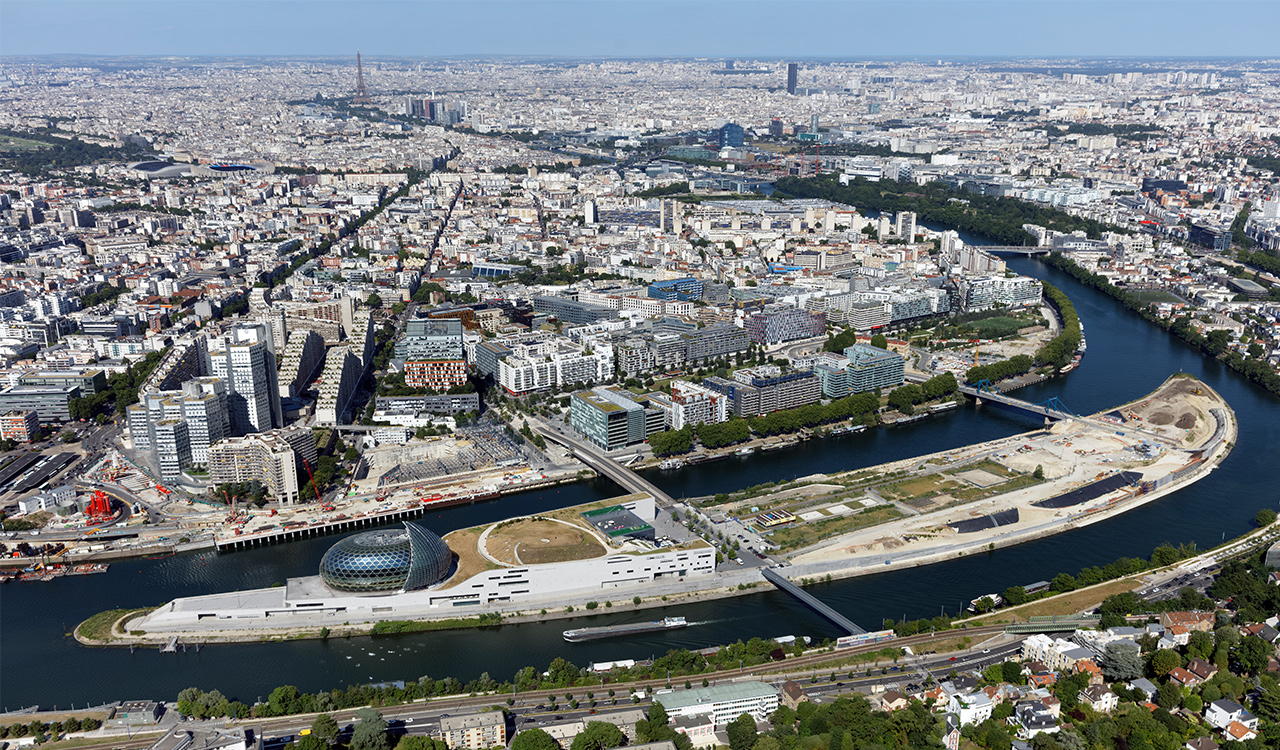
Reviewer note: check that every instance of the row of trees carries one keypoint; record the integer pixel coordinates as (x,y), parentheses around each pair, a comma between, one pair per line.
(122,390)
(997,219)
(905,397)
(1057,352)
(1165,554)
(43,731)
(1008,368)
(1256,370)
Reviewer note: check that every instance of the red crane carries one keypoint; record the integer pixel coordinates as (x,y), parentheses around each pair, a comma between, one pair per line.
(307,466)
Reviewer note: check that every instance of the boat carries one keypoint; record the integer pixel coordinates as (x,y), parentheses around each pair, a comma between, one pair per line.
(744,451)
(847,429)
(948,406)
(671,463)
(608,631)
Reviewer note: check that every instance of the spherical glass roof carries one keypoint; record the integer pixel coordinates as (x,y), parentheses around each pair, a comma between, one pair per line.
(386,560)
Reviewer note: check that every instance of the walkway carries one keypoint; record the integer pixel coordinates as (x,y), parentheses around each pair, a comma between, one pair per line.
(811,602)
(1042,410)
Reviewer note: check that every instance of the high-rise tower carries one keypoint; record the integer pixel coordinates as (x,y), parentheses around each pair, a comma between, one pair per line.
(362,94)
(793,74)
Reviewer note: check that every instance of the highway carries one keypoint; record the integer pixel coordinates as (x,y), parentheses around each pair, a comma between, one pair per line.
(531,708)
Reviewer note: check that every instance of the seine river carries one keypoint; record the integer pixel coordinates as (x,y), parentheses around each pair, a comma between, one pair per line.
(1127,358)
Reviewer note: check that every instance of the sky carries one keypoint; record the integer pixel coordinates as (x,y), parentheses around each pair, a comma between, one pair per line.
(797,29)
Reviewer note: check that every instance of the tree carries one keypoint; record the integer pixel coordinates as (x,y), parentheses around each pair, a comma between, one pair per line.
(69,436)
(1165,661)
(370,732)
(599,735)
(419,742)
(374,301)
(742,733)
(1252,653)
(1015,595)
(1011,671)
(326,728)
(534,739)
(1168,696)
(879,341)
(1265,517)
(1038,474)
(1121,662)
(311,742)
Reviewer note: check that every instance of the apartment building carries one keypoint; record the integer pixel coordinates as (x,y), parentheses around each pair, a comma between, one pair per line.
(274,458)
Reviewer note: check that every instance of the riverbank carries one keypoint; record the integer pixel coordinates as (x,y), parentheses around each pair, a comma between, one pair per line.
(937,535)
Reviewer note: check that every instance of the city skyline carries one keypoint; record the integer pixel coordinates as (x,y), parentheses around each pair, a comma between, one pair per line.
(643,29)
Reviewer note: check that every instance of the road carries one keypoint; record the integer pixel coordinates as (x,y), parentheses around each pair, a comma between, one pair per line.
(533,708)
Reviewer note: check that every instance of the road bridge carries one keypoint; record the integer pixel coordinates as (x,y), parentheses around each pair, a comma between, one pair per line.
(985,391)
(1014,249)
(812,602)
(591,456)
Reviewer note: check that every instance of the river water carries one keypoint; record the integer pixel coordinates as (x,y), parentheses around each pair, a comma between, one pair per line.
(1126,358)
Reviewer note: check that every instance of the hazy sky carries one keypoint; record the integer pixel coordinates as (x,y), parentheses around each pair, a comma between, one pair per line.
(740,28)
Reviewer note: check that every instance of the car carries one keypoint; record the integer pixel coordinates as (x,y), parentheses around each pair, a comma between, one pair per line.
(409,720)
(529,719)
(952,659)
(986,650)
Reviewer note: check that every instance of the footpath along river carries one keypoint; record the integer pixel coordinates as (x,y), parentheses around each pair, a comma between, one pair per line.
(1126,358)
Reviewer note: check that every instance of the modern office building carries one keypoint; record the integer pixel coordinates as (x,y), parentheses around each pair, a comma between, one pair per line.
(731,135)
(442,403)
(431,339)
(571,311)
(793,77)
(611,418)
(273,458)
(684,290)
(245,360)
(777,324)
(722,703)
(871,367)
(52,404)
(89,381)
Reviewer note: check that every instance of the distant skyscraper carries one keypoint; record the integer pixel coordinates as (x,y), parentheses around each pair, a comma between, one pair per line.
(793,74)
(813,123)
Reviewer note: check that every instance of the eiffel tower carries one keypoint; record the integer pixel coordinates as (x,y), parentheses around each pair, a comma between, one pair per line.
(362,94)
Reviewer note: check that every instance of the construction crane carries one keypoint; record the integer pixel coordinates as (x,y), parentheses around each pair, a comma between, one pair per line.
(307,466)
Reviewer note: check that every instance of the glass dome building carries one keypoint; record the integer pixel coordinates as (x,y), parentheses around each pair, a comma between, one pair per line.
(387,560)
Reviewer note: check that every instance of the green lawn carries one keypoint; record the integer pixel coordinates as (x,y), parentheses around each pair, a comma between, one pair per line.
(1155,296)
(9,143)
